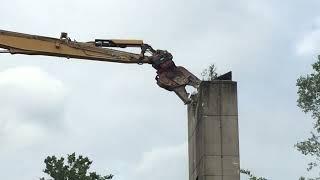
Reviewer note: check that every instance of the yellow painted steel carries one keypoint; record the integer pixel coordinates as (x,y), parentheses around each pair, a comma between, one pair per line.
(127,42)
(18,43)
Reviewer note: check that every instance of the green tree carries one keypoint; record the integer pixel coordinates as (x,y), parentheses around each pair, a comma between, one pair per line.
(72,168)
(250,175)
(209,74)
(309,102)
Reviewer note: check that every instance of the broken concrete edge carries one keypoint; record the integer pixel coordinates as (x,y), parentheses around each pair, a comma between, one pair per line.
(226,76)
(195,97)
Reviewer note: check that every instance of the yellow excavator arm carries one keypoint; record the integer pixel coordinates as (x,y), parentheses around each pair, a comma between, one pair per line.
(169,76)
(18,43)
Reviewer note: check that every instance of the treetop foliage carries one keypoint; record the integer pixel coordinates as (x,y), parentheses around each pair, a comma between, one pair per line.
(209,74)
(309,102)
(72,168)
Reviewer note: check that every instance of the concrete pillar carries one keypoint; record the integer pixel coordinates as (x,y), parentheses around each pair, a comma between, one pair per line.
(213,132)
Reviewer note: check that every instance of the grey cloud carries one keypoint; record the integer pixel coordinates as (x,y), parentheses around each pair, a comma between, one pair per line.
(163,163)
(31,101)
(116,113)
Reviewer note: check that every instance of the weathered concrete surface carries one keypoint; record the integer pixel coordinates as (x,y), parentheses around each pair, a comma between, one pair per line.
(213,132)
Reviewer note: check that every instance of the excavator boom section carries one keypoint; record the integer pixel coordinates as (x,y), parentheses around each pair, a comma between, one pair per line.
(169,76)
(19,43)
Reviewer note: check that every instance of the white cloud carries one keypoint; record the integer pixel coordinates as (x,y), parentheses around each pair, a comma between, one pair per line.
(114,106)
(31,103)
(164,163)
(310,42)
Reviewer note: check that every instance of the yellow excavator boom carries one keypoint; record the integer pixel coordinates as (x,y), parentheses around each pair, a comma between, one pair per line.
(19,43)
(169,76)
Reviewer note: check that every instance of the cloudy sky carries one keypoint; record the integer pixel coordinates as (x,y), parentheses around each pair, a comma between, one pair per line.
(116,114)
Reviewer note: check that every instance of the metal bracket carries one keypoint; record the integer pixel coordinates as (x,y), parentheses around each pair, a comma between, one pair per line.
(4,51)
